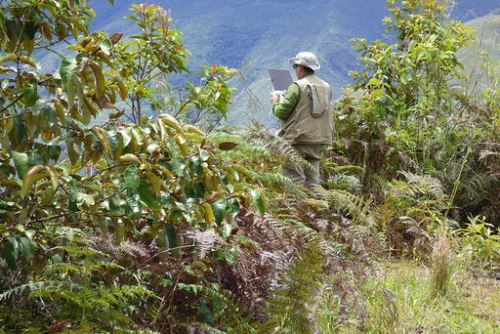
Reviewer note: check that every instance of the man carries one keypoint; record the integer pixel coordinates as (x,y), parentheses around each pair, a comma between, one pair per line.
(306,115)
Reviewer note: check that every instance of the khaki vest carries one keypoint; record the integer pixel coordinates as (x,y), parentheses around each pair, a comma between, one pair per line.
(312,121)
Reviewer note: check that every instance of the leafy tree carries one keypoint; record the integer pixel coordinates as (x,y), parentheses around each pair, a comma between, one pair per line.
(60,167)
(154,52)
(406,85)
(405,112)
(148,58)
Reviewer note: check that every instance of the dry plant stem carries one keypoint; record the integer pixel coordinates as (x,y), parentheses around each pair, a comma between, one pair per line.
(441,264)
(456,184)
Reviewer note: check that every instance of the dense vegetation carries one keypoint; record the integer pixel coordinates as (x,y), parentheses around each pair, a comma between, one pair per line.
(112,221)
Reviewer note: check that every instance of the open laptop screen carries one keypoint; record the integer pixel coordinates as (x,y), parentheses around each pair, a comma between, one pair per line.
(281,79)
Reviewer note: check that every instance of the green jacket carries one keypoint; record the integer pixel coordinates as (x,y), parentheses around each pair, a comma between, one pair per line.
(284,109)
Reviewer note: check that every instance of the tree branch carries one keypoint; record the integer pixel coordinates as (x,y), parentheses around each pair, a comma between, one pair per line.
(108,168)
(11,104)
(65,214)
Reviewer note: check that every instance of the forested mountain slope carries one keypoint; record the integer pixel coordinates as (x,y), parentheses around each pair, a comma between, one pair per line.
(254,36)
(487,39)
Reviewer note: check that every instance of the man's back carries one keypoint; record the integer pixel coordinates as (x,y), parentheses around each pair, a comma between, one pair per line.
(311,122)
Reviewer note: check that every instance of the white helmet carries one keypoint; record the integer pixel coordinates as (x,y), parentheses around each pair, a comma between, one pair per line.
(307,59)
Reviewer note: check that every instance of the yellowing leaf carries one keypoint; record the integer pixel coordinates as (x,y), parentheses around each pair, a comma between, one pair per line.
(122,89)
(103,138)
(129,157)
(181,142)
(193,136)
(90,107)
(172,122)
(155,181)
(209,214)
(8,125)
(242,170)
(8,57)
(99,79)
(35,173)
(193,129)
(27,60)
(165,172)
(29,179)
(59,111)
(49,194)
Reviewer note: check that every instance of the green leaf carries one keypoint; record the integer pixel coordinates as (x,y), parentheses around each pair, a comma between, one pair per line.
(147,196)
(116,143)
(21,163)
(126,136)
(74,189)
(138,136)
(19,129)
(233,206)
(171,233)
(219,209)
(27,247)
(132,178)
(204,155)
(10,253)
(74,150)
(205,312)
(134,207)
(258,200)
(227,230)
(106,46)
(85,199)
(68,66)
(30,95)
(48,116)
(374,82)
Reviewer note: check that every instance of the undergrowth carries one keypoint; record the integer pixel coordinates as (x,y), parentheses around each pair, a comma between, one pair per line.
(400,299)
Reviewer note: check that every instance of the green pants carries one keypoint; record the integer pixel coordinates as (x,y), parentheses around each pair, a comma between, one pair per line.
(299,173)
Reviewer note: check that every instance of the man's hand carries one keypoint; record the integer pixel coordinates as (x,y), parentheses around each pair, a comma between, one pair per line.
(276,96)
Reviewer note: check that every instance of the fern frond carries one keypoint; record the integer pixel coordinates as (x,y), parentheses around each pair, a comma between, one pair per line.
(69,292)
(127,292)
(425,185)
(247,147)
(347,203)
(480,186)
(346,169)
(345,182)
(78,250)
(101,265)
(131,248)
(275,179)
(18,290)
(289,308)
(280,146)
(199,328)
(205,241)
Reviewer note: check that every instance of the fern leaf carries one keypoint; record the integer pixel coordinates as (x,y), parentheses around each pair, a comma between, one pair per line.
(289,308)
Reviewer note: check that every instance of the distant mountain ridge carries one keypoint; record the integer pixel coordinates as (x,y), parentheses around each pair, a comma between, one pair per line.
(487,39)
(259,34)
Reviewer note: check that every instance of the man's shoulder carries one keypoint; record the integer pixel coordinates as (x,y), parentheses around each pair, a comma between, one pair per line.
(294,86)
(311,79)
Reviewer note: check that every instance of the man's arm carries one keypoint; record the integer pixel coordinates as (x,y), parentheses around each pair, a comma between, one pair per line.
(283,110)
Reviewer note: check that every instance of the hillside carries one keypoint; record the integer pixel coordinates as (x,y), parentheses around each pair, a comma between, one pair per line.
(256,35)
(487,39)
